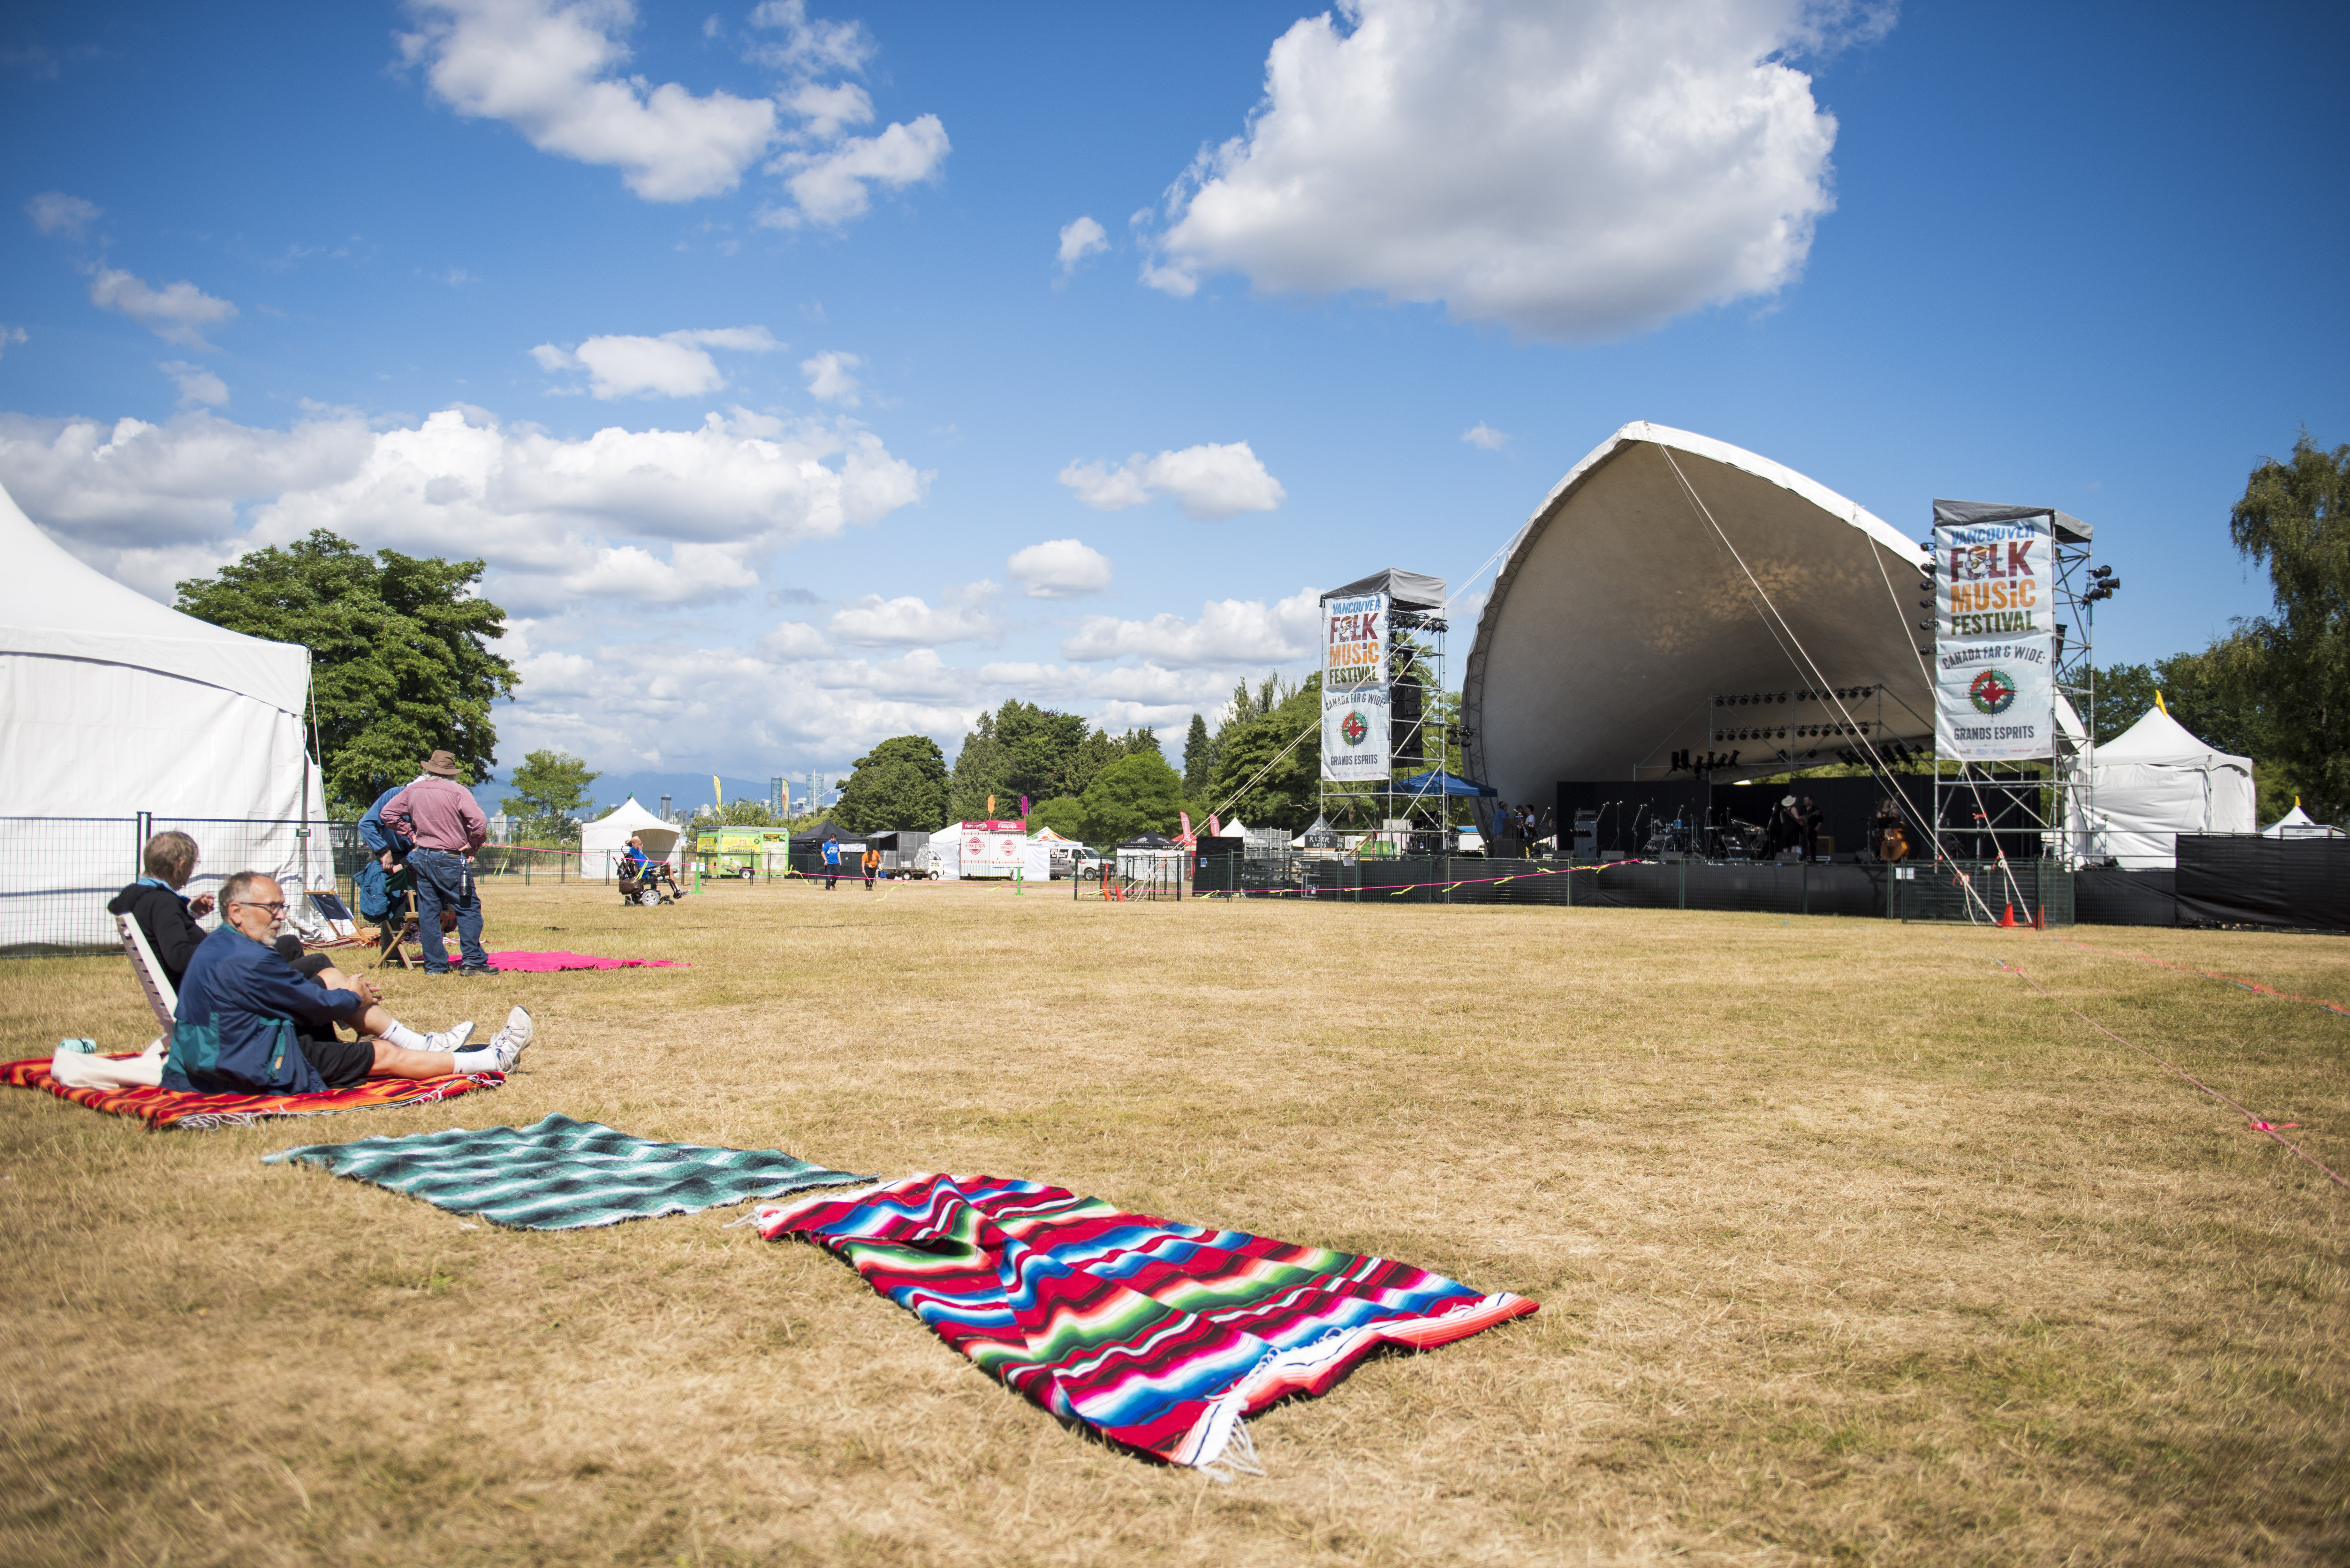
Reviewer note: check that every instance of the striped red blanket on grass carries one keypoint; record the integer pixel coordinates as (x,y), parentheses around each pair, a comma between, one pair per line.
(1159,1335)
(161,1107)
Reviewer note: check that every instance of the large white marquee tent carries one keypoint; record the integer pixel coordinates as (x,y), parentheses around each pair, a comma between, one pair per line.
(112,705)
(2154,781)
(1621,610)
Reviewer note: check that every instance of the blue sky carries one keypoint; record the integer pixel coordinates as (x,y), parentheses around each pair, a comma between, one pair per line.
(874,456)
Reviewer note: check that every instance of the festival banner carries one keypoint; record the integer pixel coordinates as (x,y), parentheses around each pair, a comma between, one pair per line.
(1354,642)
(1354,735)
(1996,640)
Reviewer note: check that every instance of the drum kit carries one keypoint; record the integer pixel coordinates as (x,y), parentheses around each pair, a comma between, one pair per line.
(1725,837)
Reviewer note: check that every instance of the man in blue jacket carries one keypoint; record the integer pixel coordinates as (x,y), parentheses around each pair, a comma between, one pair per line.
(387,855)
(247,1024)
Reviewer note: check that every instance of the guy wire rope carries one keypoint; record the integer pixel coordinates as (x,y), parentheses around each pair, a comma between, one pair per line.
(1877,763)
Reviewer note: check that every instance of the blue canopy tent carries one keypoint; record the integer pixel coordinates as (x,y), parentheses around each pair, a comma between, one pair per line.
(1435,782)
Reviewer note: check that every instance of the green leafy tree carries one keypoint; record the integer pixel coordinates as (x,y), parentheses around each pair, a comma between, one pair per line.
(979,773)
(743,812)
(1199,756)
(1254,780)
(2125,692)
(400,659)
(547,788)
(2294,519)
(901,782)
(1136,794)
(1064,814)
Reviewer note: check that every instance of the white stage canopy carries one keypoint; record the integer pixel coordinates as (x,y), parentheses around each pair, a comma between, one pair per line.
(1620,612)
(111,705)
(2154,781)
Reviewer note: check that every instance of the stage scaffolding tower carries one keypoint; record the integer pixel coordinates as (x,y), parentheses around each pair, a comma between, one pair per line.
(1984,811)
(1420,725)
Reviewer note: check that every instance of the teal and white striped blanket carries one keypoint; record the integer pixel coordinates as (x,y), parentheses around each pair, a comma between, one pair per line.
(563,1175)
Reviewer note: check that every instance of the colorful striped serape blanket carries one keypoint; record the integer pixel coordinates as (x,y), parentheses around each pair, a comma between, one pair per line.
(163,1107)
(1158,1335)
(563,1175)
(547,963)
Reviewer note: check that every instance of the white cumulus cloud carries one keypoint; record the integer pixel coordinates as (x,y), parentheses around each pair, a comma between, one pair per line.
(673,365)
(1209,481)
(1059,569)
(197,385)
(653,517)
(176,313)
(11,335)
(1079,239)
(1485,437)
(553,72)
(1228,632)
(55,213)
(834,184)
(1573,168)
(912,622)
(831,378)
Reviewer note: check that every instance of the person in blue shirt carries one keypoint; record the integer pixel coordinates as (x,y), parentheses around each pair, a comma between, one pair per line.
(831,863)
(387,856)
(248,1023)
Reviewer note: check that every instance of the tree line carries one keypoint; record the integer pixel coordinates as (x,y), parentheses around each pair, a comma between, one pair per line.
(2276,687)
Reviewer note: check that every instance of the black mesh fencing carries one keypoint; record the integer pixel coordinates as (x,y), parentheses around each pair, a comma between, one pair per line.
(1864,890)
(2245,879)
(2110,895)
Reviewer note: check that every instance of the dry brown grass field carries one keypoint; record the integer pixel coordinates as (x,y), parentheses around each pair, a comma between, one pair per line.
(1850,1249)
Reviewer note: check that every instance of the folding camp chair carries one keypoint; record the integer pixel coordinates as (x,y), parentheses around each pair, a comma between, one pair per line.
(342,929)
(160,996)
(149,973)
(403,925)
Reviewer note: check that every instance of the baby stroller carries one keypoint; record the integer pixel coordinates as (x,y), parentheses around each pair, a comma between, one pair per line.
(650,883)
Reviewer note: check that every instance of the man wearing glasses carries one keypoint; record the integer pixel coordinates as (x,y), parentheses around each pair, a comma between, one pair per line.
(248,1023)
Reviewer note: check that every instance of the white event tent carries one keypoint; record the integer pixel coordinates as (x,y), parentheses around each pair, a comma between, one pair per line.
(603,841)
(2154,781)
(112,705)
(2299,824)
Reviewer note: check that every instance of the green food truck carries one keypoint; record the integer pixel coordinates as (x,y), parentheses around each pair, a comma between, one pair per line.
(739,851)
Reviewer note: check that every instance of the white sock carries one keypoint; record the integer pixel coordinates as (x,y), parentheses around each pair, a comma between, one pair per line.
(407,1039)
(480,1059)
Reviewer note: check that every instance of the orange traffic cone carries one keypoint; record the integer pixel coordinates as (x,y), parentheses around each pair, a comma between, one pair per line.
(2007,920)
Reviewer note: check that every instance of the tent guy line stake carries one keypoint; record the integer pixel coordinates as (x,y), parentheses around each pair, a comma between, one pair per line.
(2266,1129)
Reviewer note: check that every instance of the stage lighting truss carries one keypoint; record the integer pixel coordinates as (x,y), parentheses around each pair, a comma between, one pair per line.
(2056,806)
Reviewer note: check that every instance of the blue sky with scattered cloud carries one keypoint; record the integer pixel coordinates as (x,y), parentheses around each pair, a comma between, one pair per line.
(810,374)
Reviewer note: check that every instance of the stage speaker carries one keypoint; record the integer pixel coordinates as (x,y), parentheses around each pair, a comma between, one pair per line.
(1404,710)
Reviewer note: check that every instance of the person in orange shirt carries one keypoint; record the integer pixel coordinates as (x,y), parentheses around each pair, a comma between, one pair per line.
(872,863)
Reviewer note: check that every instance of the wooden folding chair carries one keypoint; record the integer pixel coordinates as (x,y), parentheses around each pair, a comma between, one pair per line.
(149,972)
(397,947)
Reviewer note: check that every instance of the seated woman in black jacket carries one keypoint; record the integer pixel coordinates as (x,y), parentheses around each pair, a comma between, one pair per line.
(155,900)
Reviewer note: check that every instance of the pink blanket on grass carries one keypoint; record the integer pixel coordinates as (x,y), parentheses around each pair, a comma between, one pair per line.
(547,963)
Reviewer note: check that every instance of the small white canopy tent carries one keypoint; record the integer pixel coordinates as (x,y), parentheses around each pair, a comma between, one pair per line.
(2299,824)
(603,841)
(2154,781)
(111,705)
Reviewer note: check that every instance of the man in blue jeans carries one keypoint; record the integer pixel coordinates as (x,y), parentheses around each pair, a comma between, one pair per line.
(438,815)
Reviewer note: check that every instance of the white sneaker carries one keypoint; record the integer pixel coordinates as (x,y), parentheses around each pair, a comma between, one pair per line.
(508,1043)
(452,1038)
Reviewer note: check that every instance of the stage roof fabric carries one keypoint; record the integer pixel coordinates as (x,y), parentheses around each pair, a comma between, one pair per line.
(1405,590)
(1621,612)
(1434,782)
